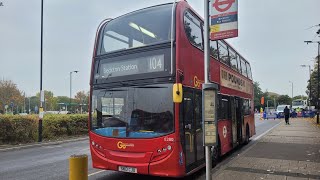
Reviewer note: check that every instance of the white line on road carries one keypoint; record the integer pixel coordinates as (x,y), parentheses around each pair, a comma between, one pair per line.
(96,173)
(267,131)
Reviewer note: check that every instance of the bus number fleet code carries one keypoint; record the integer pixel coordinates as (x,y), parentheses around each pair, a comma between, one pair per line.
(133,66)
(235,82)
(224,19)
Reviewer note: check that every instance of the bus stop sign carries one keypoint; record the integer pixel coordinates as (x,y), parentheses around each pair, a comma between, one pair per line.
(223,19)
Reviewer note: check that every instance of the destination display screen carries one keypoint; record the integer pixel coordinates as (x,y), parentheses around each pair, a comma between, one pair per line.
(139,65)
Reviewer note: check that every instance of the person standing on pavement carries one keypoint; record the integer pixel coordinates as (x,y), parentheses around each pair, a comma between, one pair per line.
(286,112)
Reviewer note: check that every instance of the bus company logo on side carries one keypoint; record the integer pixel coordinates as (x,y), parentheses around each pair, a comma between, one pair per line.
(122,145)
(197,82)
(232,78)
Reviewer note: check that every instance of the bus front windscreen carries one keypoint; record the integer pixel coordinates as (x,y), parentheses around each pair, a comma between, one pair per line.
(297,103)
(139,28)
(133,112)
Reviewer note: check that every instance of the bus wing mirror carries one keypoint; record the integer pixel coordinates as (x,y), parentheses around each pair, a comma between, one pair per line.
(177,93)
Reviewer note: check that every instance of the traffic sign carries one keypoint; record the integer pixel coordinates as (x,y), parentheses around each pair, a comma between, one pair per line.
(224,19)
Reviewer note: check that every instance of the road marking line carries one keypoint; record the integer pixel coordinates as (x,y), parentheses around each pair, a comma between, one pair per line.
(267,131)
(96,173)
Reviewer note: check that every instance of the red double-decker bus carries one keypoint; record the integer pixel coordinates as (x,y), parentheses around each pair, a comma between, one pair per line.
(134,124)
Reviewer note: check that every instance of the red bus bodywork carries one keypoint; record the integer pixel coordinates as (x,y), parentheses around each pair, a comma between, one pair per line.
(152,156)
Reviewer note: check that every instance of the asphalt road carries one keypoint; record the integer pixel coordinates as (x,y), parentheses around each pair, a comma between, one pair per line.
(51,162)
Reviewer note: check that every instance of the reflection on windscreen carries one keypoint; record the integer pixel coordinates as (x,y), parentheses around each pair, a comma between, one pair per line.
(138,29)
(137,112)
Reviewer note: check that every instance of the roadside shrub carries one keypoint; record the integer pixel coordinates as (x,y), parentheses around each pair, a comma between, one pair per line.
(15,128)
(24,129)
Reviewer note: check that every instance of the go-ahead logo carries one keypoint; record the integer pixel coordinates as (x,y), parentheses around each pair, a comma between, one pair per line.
(122,145)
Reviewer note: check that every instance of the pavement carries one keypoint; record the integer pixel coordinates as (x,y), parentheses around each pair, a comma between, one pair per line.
(10,147)
(287,152)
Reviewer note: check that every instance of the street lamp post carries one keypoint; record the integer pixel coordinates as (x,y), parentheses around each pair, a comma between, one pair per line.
(303,65)
(41,63)
(291,90)
(268,104)
(71,86)
(318,89)
(29,106)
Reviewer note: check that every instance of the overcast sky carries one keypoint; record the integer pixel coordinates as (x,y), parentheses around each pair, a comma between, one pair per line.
(271,35)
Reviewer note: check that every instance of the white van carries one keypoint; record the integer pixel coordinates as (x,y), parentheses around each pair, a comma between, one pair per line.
(280,109)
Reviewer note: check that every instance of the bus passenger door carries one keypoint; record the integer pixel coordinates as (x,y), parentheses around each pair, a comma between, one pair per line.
(239,118)
(188,122)
(234,121)
(193,133)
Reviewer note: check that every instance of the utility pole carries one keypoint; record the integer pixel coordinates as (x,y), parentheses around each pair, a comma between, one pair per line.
(291,90)
(41,92)
(309,102)
(71,87)
(318,79)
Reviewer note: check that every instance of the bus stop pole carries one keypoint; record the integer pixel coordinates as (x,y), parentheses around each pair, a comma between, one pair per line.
(206,75)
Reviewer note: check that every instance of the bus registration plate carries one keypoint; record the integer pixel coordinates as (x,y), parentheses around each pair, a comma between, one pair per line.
(128,169)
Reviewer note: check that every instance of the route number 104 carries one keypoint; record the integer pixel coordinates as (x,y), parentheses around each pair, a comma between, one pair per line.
(155,63)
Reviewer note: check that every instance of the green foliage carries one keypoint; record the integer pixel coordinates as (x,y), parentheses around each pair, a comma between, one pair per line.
(15,128)
(24,129)
(257,95)
(284,99)
(9,93)
(314,85)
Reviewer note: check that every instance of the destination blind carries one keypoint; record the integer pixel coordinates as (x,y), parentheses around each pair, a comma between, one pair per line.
(139,65)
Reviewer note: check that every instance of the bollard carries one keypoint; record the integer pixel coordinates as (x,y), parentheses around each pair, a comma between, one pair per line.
(78,167)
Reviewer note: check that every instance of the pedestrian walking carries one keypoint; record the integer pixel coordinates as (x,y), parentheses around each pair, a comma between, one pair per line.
(286,112)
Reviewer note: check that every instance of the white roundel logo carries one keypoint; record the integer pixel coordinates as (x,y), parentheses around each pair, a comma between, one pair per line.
(225,131)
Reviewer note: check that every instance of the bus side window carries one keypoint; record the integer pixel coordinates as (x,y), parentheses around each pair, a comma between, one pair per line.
(224,108)
(233,59)
(243,67)
(223,53)
(214,49)
(193,30)
(246,107)
(249,71)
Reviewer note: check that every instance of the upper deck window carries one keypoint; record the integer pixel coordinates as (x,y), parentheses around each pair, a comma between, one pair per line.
(233,59)
(140,28)
(243,68)
(193,29)
(214,49)
(223,53)
(249,71)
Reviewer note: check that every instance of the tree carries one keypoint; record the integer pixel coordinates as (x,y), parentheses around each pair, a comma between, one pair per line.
(62,101)
(10,95)
(314,85)
(257,95)
(284,99)
(82,98)
(50,102)
(300,97)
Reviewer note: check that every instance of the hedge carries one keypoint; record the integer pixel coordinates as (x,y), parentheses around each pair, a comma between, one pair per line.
(24,129)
